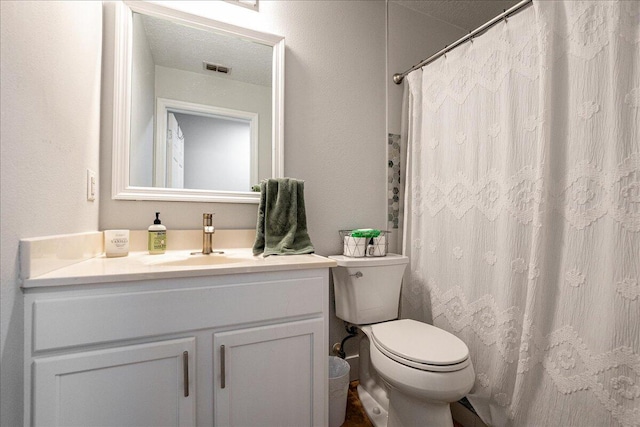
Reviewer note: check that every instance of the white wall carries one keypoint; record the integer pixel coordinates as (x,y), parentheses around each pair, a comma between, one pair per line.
(143,77)
(50,99)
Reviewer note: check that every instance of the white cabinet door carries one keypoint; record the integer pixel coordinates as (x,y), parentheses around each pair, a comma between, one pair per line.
(138,385)
(270,376)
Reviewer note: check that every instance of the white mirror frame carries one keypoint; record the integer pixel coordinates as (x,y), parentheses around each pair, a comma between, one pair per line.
(120,188)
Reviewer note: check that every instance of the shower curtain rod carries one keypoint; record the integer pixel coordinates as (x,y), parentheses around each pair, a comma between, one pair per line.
(399,77)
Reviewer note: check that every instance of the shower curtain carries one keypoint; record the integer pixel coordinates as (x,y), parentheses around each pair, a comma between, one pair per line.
(522,212)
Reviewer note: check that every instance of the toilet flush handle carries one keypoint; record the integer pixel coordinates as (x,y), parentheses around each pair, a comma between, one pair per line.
(358,274)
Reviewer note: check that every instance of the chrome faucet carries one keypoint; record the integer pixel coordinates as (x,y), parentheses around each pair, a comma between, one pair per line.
(207,234)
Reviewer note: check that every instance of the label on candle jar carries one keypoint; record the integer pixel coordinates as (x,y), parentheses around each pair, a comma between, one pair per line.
(116,243)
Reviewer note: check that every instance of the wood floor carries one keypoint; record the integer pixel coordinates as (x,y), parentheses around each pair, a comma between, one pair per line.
(355,415)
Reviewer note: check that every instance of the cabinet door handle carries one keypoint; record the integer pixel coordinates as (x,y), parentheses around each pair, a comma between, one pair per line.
(223,380)
(185,368)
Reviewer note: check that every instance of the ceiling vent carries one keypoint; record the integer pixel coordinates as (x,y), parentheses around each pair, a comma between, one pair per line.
(217,68)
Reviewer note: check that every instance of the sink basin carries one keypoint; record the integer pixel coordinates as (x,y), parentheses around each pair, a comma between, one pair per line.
(195,260)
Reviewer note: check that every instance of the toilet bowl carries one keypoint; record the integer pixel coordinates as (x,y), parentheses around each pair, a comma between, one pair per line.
(409,371)
(424,367)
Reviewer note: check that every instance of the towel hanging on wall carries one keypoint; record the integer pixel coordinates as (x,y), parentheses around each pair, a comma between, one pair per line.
(282,221)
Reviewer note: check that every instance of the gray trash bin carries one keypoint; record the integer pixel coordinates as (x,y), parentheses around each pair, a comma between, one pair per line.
(338,389)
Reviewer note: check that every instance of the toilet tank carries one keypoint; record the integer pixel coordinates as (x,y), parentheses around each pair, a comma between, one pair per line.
(367,290)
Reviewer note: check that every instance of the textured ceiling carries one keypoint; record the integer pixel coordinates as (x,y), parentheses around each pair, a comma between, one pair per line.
(465,14)
(185,48)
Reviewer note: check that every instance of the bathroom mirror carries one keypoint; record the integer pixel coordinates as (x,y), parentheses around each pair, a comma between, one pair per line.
(198,107)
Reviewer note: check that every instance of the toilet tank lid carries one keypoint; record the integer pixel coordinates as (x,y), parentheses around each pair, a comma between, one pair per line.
(389,259)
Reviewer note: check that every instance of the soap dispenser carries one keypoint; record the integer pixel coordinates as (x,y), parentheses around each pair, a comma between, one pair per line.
(157,236)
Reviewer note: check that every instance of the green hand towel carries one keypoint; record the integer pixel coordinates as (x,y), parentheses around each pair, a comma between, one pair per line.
(282,221)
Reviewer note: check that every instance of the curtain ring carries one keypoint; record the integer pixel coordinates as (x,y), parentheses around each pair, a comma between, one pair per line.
(471,38)
(445,50)
(505,16)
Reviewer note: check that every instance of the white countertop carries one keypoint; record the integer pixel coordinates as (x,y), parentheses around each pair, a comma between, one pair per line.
(143,266)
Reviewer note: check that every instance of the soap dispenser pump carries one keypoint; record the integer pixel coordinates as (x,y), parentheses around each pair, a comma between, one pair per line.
(157,236)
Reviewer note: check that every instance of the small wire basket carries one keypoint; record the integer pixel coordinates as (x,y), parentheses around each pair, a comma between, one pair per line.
(358,247)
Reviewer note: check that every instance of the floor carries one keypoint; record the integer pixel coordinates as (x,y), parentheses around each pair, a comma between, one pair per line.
(355,414)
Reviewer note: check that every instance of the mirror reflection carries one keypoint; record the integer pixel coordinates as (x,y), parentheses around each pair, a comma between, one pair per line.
(201,108)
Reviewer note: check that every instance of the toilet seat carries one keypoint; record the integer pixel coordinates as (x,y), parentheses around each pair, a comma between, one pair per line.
(420,345)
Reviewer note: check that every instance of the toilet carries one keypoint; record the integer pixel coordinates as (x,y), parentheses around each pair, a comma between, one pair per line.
(409,371)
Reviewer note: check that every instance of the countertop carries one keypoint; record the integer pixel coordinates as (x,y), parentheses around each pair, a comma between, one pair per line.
(143,266)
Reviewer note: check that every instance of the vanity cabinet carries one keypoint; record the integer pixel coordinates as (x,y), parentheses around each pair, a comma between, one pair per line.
(266,375)
(239,350)
(143,385)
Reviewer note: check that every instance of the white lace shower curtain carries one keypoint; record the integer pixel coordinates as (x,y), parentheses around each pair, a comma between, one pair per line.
(522,210)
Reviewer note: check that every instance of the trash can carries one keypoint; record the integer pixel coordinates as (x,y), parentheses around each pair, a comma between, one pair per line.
(338,389)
